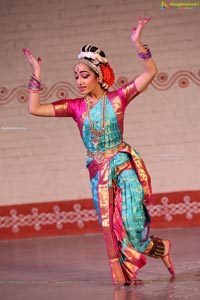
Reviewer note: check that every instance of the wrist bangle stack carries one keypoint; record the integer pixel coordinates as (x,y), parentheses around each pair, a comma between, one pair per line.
(34,84)
(145,55)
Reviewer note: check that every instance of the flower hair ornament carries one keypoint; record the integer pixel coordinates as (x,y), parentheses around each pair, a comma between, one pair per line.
(97,61)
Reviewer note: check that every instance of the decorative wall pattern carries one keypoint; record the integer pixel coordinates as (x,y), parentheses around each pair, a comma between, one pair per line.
(64,89)
(71,217)
(57,217)
(163,82)
(169,210)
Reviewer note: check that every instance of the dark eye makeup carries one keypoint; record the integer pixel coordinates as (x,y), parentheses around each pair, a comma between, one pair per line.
(83,74)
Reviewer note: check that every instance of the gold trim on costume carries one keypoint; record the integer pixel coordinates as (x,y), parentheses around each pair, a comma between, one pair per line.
(61,109)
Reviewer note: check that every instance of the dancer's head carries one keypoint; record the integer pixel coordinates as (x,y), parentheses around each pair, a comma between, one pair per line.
(94,60)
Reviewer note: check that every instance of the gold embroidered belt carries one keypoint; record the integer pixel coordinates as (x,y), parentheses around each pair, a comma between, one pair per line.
(101,156)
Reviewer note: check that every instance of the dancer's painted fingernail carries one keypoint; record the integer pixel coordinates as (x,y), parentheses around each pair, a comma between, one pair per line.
(26,51)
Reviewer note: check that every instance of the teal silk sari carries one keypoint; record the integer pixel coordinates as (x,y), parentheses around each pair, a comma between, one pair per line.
(120,183)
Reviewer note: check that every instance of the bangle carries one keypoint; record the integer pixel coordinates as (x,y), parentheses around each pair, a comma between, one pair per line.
(35,77)
(34,84)
(145,55)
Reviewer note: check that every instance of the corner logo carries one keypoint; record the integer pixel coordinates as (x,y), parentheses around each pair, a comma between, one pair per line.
(164,5)
(181,5)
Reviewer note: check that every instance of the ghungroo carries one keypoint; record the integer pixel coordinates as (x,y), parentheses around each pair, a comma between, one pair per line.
(158,248)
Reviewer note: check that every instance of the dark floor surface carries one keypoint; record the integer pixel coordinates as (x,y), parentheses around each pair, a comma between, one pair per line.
(76,267)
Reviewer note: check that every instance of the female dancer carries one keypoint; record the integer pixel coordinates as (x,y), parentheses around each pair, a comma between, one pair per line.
(120,183)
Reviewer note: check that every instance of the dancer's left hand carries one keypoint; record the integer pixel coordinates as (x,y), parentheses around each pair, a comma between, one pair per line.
(137,31)
(36,64)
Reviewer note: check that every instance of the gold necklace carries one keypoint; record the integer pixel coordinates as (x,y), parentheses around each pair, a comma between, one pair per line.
(97,133)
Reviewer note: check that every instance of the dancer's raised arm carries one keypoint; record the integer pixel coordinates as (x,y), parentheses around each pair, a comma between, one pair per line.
(150,69)
(34,106)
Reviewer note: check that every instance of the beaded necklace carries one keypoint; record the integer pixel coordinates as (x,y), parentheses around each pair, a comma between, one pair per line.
(97,133)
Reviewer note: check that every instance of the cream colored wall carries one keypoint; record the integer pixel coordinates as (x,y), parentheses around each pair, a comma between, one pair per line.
(43,159)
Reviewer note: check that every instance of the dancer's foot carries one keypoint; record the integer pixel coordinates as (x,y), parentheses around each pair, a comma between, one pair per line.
(166,258)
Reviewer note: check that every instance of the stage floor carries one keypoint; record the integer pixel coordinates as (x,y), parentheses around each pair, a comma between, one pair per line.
(76,267)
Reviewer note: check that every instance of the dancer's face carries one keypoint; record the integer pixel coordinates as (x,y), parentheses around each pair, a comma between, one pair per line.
(86,79)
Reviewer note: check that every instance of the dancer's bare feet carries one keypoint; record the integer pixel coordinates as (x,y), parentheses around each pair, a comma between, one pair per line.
(166,258)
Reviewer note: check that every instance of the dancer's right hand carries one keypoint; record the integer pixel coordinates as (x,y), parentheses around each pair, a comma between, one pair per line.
(35,63)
